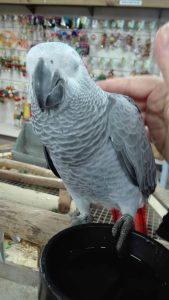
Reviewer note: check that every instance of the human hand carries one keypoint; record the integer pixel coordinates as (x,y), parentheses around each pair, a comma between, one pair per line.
(150,93)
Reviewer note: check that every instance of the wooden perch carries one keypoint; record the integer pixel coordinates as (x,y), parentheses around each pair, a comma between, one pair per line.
(32,179)
(39,177)
(32,224)
(36,198)
(162,195)
(28,197)
(12,164)
(64,201)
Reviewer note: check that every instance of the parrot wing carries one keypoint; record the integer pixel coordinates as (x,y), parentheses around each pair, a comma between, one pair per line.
(50,162)
(130,141)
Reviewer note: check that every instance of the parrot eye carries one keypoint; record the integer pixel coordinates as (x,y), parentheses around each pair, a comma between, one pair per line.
(71,67)
(75,65)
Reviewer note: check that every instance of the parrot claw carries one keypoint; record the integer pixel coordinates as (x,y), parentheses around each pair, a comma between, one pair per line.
(120,232)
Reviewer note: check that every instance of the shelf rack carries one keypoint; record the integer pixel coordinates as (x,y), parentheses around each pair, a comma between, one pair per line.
(120,3)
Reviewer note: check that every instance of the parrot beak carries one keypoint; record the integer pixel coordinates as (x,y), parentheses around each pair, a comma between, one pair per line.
(41,81)
(55,97)
(48,91)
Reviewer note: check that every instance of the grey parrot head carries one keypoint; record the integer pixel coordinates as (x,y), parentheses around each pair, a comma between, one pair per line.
(56,73)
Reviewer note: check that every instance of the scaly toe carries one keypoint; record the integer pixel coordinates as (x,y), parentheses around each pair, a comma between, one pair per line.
(81,219)
(121,231)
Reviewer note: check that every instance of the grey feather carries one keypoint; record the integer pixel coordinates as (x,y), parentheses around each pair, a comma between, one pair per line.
(129,139)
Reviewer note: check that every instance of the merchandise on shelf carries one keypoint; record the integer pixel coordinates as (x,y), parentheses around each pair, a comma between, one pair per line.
(109,47)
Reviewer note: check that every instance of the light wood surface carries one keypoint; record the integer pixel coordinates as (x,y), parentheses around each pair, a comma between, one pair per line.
(64,201)
(39,177)
(32,224)
(19,274)
(20,166)
(32,179)
(26,196)
(162,195)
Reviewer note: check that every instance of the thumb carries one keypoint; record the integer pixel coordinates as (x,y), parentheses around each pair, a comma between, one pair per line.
(161,49)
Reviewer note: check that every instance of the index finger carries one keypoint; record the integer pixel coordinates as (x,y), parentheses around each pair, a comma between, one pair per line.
(136,87)
(162,51)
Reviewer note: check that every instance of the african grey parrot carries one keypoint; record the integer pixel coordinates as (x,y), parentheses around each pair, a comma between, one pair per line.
(95,140)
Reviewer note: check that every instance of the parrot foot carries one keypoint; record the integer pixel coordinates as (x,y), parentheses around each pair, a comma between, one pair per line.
(78,218)
(121,231)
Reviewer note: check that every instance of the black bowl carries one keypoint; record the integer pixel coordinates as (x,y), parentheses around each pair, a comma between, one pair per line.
(81,263)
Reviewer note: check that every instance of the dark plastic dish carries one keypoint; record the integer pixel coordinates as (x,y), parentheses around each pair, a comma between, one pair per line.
(81,263)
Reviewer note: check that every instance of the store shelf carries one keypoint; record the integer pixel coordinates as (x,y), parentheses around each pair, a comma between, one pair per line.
(108,9)
(55,2)
(141,3)
(127,3)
